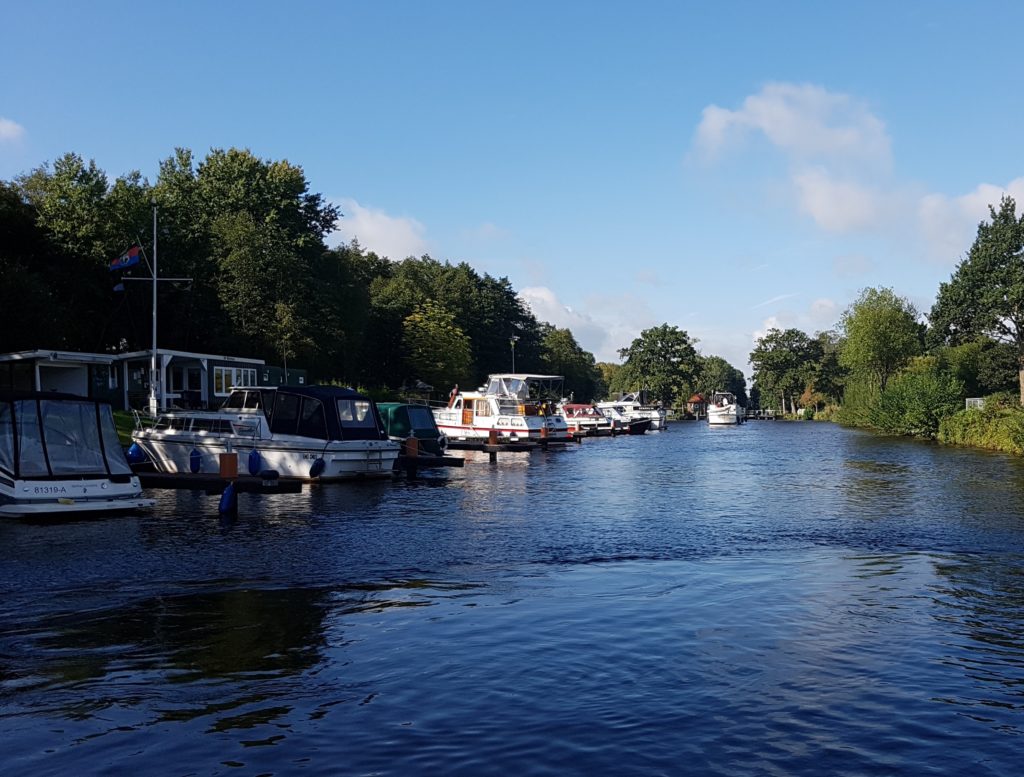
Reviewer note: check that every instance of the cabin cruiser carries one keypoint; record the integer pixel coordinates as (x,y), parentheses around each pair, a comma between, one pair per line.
(622,421)
(516,407)
(634,406)
(308,433)
(59,454)
(404,420)
(724,409)
(587,419)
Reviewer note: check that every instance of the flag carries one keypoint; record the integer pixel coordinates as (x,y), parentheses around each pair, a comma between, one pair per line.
(119,287)
(129,258)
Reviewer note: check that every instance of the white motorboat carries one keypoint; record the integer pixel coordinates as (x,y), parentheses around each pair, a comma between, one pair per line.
(634,407)
(587,419)
(516,407)
(59,454)
(309,433)
(724,409)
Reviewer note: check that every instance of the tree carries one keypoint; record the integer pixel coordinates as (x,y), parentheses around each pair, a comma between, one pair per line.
(985,295)
(783,364)
(563,356)
(661,360)
(437,350)
(716,374)
(881,334)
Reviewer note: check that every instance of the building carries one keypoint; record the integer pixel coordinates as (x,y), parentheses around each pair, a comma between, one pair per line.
(190,380)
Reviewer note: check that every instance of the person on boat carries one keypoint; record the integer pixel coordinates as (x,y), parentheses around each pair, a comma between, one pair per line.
(455,393)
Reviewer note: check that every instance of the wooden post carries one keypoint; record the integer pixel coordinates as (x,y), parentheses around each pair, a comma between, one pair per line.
(229,466)
(492,437)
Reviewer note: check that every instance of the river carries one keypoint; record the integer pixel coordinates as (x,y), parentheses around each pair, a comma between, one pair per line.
(776,599)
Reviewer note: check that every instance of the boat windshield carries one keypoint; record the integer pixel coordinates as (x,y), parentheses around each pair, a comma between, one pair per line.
(421,418)
(355,412)
(59,438)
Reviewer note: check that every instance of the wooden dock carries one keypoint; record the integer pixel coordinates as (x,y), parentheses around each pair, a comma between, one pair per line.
(215,484)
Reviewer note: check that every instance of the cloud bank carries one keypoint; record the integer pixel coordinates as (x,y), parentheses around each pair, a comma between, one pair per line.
(396,237)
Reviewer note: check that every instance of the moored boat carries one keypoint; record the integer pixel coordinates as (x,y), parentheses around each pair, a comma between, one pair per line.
(634,406)
(319,433)
(724,409)
(586,419)
(59,454)
(405,420)
(515,407)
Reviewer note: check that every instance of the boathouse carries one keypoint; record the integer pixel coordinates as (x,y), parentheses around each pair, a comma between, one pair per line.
(185,379)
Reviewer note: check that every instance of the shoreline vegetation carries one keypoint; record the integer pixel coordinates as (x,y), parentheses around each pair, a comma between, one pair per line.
(247,240)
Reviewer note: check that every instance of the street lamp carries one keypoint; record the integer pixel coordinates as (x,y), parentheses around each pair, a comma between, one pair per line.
(512,341)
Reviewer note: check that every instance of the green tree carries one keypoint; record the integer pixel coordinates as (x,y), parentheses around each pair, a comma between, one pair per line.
(985,295)
(783,362)
(437,350)
(663,361)
(881,333)
(564,356)
(716,374)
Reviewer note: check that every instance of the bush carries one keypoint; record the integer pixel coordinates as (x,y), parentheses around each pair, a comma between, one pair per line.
(915,402)
(999,426)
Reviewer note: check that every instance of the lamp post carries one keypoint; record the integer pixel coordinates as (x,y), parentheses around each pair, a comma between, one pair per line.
(512,341)
(155,394)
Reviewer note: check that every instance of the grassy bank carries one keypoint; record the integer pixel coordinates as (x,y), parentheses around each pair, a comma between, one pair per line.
(999,426)
(125,423)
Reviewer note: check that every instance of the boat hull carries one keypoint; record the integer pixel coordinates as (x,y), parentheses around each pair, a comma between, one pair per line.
(343,459)
(28,498)
(723,416)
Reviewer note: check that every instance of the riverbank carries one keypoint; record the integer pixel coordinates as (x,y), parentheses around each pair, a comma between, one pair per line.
(997,427)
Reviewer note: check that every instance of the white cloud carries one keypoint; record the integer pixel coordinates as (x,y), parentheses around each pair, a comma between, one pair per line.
(605,323)
(824,313)
(949,224)
(804,120)
(395,237)
(485,232)
(10,131)
(837,206)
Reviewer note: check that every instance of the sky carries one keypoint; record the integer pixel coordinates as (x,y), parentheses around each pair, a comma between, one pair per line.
(723,168)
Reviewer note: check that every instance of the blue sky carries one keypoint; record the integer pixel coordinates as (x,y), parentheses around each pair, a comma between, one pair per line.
(720,167)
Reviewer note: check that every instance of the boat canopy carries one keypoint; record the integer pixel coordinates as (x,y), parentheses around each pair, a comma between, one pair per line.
(320,412)
(46,435)
(525,387)
(402,420)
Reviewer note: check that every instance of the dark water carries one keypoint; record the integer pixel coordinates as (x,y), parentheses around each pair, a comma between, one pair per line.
(777,599)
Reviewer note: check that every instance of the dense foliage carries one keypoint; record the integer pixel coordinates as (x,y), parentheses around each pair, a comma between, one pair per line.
(247,236)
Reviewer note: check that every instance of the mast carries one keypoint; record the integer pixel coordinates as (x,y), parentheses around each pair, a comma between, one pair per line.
(154,374)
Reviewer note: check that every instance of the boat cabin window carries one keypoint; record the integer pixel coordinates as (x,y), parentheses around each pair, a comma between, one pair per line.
(59,438)
(421,418)
(286,414)
(312,422)
(234,402)
(355,412)
(458,404)
(6,438)
(252,400)
(482,407)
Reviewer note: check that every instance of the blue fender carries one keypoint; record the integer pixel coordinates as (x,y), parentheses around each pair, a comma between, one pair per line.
(135,454)
(228,501)
(195,461)
(317,468)
(255,462)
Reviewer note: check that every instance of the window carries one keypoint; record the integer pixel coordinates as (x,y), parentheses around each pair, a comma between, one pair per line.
(421,418)
(72,438)
(312,422)
(31,458)
(252,400)
(355,412)
(286,414)
(6,438)
(226,378)
(236,401)
(482,407)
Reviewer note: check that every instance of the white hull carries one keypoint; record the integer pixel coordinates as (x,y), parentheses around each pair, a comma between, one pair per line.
(657,416)
(26,498)
(507,427)
(730,414)
(290,457)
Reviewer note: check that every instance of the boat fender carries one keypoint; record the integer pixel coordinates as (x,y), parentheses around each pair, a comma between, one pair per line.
(135,454)
(317,469)
(255,462)
(228,501)
(195,461)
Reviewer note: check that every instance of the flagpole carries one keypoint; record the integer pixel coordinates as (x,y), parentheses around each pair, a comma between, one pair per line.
(154,374)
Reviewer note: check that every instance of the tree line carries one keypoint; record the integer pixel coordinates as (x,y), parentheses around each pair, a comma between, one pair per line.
(248,238)
(889,367)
